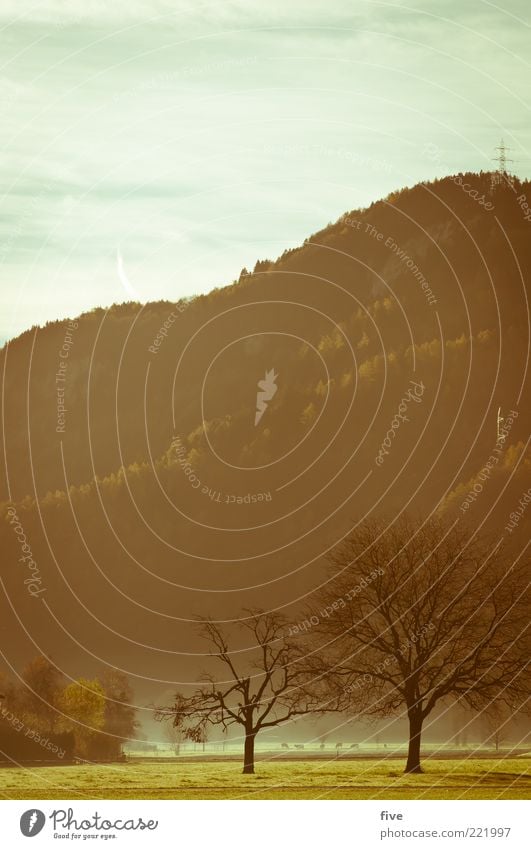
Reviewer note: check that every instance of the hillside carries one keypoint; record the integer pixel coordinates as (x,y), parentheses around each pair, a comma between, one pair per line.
(143,485)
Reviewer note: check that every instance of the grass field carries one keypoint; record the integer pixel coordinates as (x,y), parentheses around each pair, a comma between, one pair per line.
(360,779)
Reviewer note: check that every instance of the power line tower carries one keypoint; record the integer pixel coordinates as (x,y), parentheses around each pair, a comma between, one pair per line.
(501,175)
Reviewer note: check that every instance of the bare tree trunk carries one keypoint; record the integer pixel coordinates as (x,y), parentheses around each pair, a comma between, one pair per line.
(248,753)
(415,731)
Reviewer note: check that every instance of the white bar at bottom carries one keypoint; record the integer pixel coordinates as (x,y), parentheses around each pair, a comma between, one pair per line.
(266,824)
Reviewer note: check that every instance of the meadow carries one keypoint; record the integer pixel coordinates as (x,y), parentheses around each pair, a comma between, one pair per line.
(465,778)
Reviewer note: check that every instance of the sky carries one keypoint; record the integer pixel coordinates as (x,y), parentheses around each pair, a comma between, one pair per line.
(151,149)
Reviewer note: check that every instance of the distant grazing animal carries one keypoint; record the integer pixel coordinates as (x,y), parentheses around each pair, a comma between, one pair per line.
(299,746)
(285,746)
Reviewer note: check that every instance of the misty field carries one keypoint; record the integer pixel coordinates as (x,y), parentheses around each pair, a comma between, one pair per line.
(360,779)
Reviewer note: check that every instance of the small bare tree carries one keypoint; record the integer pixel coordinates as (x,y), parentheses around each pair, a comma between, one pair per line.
(173,735)
(418,613)
(272,687)
(496,719)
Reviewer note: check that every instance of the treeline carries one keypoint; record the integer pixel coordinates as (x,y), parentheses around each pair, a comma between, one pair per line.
(44,716)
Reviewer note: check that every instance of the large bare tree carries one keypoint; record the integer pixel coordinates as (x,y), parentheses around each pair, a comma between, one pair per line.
(264,683)
(416,614)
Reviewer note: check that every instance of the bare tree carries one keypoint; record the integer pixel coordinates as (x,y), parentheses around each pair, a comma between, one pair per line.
(416,614)
(173,735)
(496,719)
(270,688)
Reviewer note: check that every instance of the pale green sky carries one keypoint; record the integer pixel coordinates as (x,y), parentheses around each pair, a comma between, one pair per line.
(197,137)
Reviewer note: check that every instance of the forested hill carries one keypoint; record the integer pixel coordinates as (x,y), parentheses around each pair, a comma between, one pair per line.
(415,307)
(352,278)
